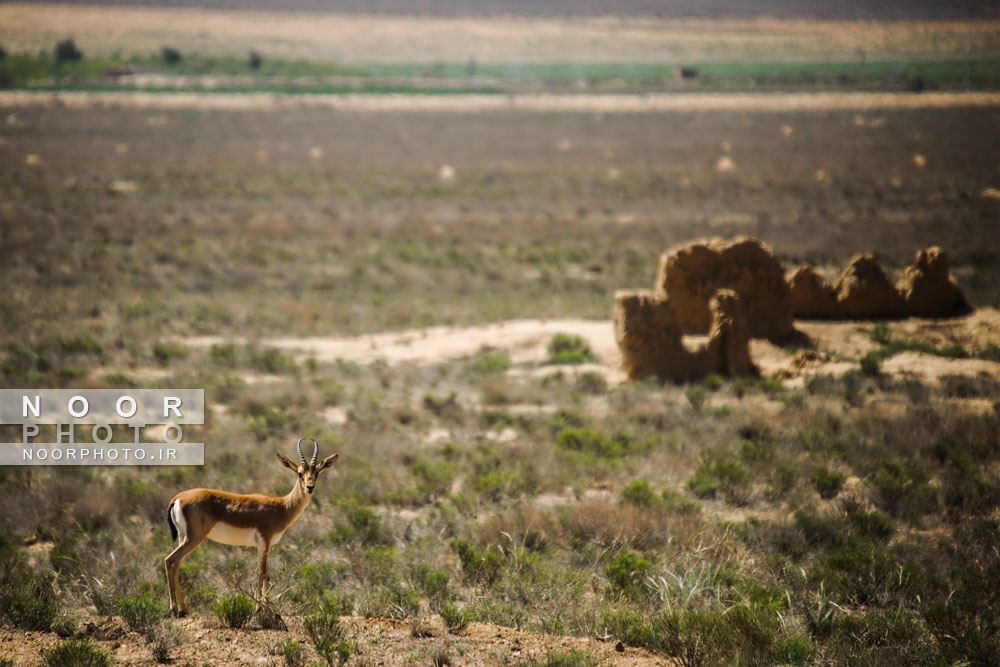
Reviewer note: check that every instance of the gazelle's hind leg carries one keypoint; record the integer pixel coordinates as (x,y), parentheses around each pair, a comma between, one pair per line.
(173,566)
(172,562)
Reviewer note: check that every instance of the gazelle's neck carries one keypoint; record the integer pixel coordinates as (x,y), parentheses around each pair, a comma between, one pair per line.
(297,499)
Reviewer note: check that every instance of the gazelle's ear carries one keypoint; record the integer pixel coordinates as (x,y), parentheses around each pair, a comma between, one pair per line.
(327,462)
(286,461)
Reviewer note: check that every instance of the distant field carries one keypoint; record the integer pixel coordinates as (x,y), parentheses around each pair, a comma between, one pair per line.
(353,39)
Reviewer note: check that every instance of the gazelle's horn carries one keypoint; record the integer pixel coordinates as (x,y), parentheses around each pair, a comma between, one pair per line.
(315,451)
(298,446)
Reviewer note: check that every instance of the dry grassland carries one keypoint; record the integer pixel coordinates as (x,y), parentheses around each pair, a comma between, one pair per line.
(393,39)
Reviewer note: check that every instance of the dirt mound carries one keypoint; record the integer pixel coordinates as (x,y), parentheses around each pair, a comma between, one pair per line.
(651,341)
(649,337)
(929,290)
(813,297)
(864,291)
(728,347)
(689,276)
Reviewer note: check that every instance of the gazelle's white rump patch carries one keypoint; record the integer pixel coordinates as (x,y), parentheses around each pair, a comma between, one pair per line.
(177,516)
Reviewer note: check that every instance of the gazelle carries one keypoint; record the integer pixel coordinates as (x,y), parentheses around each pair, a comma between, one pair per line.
(241,520)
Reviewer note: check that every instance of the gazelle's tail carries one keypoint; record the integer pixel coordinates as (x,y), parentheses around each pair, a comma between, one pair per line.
(170,520)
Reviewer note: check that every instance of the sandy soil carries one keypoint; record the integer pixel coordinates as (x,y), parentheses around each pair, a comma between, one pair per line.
(837,346)
(376,641)
(655,102)
(393,39)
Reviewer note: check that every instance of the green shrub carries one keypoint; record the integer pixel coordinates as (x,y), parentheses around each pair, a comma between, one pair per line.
(903,490)
(455,619)
(442,406)
(640,493)
(592,382)
(696,396)
(140,611)
(795,651)
(871,363)
(78,652)
(575,658)
(569,349)
(590,441)
(224,354)
(489,362)
(235,611)
(675,501)
(482,568)
(271,360)
(363,525)
(433,581)
(626,575)
(827,483)
(66,51)
(82,343)
(27,601)
(723,473)
(164,353)
(328,636)
(291,652)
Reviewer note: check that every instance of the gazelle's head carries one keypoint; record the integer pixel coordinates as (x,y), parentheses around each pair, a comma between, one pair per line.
(307,471)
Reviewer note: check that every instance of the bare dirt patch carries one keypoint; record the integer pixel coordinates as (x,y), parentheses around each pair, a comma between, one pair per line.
(836,346)
(376,641)
(530,103)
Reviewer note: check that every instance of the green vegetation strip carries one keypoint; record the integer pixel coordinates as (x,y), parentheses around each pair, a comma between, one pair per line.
(49,72)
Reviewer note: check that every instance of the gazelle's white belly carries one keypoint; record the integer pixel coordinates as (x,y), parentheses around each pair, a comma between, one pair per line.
(238,537)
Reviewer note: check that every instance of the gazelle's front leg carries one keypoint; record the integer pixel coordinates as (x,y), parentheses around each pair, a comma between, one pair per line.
(263,547)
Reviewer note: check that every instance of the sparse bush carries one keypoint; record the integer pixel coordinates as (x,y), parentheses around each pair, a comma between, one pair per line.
(83,343)
(488,362)
(827,483)
(165,353)
(328,636)
(224,354)
(164,637)
(235,611)
(569,349)
(65,625)
(27,600)
(591,441)
(140,611)
(363,524)
(575,658)
(903,490)
(696,395)
(78,652)
(871,363)
(725,473)
(592,382)
(455,619)
(170,55)
(627,574)
(291,652)
(483,568)
(442,406)
(640,493)
(67,52)
(271,360)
